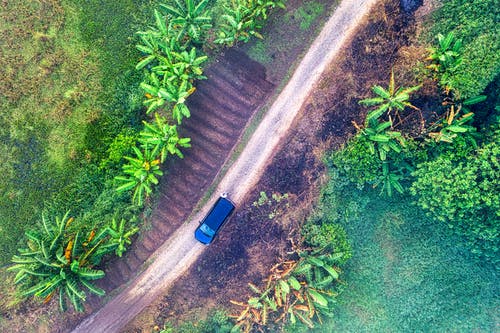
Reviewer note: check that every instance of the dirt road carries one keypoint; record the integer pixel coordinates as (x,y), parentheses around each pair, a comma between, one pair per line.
(177,254)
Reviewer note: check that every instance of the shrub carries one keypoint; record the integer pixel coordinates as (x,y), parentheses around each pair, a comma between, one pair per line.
(357,162)
(324,234)
(217,322)
(475,22)
(462,190)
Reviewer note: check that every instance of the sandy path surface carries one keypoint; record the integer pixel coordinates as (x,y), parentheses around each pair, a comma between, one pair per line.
(180,251)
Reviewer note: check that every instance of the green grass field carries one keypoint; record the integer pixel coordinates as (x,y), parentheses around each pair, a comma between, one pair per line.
(408,273)
(69,87)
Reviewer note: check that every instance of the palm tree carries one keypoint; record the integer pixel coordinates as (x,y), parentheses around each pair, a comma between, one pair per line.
(157,44)
(379,139)
(163,137)
(57,262)
(140,174)
(188,18)
(239,25)
(447,55)
(389,100)
(187,65)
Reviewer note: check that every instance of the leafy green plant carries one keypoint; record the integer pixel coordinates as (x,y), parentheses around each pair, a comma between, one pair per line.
(452,125)
(216,322)
(299,290)
(60,262)
(140,174)
(243,20)
(239,25)
(390,180)
(390,100)
(188,18)
(275,200)
(163,137)
(379,139)
(187,65)
(119,236)
(357,161)
(157,43)
(475,23)
(158,93)
(447,55)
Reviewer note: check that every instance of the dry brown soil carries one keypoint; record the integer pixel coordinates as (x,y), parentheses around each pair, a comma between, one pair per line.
(252,242)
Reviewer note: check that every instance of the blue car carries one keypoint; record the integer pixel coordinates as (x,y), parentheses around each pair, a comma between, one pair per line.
(214,220)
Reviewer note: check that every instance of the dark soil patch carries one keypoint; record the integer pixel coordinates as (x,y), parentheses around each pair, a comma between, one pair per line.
(251,243)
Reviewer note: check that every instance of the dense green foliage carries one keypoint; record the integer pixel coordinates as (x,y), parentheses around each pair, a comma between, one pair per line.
(452,165)
(60,259)
(476,24)
(217,322)
(463,191)
(243,19)
(407,274)
(82,138)
(75,59)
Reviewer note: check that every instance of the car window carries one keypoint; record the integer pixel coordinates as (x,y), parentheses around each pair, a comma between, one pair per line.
(206,230)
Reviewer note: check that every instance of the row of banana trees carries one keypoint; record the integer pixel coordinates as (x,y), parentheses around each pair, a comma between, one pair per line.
(62,258)
(172,63)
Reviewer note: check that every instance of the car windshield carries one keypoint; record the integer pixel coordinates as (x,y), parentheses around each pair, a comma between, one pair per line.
(206,230)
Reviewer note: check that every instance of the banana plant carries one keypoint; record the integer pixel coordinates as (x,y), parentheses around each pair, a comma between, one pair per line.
(447,56)
(390,181)
(157,43)
(189,19)
(163,137)
(389,100)
(380,140)
(152,87)
(57,262)
(296,290)
(187,65)
(457,121)
(140,174)
(239,25)
(261,7)
(177,94)
(119,236)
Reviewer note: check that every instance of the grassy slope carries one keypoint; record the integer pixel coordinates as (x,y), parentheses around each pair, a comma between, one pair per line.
(69,87)
(407,273)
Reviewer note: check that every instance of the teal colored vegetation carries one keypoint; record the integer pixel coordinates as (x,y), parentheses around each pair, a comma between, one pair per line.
(407,273)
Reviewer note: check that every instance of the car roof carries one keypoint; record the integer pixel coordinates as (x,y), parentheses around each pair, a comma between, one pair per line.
(219,212)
